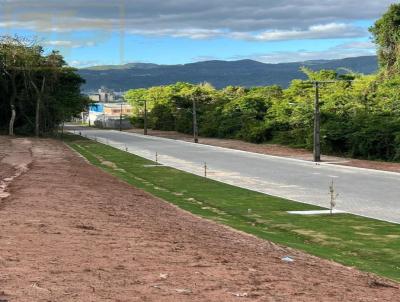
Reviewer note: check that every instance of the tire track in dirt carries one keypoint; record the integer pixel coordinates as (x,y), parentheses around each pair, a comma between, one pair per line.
(16,159)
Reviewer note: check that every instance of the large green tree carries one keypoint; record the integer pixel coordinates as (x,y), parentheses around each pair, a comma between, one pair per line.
(37,90)
(386,35)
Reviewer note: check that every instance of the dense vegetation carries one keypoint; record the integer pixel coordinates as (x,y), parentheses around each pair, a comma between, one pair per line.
(37,91)
(360,118)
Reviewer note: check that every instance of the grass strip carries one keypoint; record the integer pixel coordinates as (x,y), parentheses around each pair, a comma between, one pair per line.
(367,244)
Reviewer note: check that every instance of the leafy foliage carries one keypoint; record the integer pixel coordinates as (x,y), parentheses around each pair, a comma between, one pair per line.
(386,33)
(360,115)
(37,90)
(360,118)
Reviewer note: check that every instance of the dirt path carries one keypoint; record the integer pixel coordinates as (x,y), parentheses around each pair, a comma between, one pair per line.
(276,150)
(70,232)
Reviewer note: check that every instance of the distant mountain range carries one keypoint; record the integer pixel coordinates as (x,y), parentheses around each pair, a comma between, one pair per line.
(246,73)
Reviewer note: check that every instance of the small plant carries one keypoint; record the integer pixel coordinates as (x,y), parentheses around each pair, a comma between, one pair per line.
(334,196)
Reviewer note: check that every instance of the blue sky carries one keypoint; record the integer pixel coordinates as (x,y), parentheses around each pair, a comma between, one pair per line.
(177,31)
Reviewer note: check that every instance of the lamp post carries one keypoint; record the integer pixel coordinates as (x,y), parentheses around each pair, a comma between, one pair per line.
(194,114)
(317,118)
(317,126)
(195,128)
(145,118)
(89,115)
(120,118)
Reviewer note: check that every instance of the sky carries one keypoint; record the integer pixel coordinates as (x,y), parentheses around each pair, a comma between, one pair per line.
(89,32)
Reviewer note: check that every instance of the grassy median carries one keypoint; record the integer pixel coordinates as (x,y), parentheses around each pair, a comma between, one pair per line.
(368,244)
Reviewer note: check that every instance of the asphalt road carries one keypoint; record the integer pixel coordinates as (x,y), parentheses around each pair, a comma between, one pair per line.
(365,192)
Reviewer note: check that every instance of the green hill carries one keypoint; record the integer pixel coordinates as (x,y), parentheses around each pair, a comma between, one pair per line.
(219,73)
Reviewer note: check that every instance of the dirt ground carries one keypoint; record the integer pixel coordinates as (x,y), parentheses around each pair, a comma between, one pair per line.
(70,232)
(277,150)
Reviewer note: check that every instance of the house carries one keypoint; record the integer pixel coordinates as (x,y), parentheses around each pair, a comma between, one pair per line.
(109,110)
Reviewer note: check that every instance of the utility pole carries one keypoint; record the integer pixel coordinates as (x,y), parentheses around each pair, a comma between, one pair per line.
(89,114)
(145,118)
(317,117)
(120,119)
(317,125)
(195,130)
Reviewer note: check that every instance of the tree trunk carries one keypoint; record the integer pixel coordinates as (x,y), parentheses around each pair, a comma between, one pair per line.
(13,97)
(12,120)
(38,103)
(37,116)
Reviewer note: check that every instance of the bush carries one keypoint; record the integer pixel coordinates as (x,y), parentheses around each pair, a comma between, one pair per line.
(375,137)
(161,118)
(360,119)
(137,121)
(255,133)
(298,138)
(184,121)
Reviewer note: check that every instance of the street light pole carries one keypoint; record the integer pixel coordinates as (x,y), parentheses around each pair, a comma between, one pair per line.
(317,125)
(120,119)
(145,118)
(195,130)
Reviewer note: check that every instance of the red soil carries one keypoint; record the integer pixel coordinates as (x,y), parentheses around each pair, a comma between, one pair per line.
(70,232)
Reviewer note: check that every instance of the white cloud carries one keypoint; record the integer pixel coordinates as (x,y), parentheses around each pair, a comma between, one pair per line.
(274,19)
(358,45)
(191,33)
(82,64)
(59,43)
(337,52)
(321,31)
(255,20)
(69,43)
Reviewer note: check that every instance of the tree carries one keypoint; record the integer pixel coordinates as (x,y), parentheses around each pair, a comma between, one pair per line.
(34,87)
(46,73)
(12,50)
(386,34)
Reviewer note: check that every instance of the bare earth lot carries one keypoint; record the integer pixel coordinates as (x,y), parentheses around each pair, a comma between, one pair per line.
(276,150)
(70,232)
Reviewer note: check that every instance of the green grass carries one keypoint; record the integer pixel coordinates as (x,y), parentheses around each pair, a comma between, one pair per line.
(368,244)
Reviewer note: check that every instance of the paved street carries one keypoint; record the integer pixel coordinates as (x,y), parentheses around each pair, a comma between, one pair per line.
(365,192)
